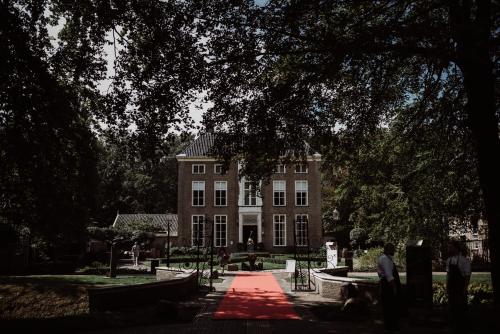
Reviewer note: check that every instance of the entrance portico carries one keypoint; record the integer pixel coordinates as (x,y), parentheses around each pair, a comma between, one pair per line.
(250,224)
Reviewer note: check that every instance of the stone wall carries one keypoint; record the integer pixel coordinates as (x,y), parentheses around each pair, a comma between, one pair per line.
(334,287)
(177,287)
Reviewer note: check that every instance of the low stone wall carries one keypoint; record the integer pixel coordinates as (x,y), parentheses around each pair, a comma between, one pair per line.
(335,287)
(179,286)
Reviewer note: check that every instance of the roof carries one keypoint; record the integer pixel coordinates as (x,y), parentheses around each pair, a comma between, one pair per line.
(202,145)
(157,221)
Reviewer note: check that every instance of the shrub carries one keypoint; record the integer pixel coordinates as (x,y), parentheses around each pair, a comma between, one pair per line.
(479,293)
(368,261)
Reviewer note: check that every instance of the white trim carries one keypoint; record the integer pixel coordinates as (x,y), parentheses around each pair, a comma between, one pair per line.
(284,192)
(307,192)
(182,157)
(284,229)
(192,229)
(199,165)
(192,193)
(277,170)
(227,193)
(215,230)
(215,171)
(301,164)
(295,228)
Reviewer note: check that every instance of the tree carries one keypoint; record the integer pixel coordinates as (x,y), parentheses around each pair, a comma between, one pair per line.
(47,161)
(118,237)
(283,68)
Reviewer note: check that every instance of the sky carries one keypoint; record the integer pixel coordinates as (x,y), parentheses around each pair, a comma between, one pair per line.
(196,108)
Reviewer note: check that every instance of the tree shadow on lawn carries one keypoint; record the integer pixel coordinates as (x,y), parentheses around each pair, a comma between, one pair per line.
(162,313)
(74,279)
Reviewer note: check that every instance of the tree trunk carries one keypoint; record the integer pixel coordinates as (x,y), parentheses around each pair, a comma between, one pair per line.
(112,261)
(476,65)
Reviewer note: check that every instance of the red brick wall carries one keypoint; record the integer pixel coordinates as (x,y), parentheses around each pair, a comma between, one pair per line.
(186,210)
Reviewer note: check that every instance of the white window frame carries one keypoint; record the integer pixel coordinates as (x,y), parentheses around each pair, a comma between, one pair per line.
(299,168)
(278,166)
(193,190)
(252,199)
(215,169)
(275,190)
(283,223)
(202,225)
(225,191)
(306,191)
(198,166)
(217,237)
(301,240)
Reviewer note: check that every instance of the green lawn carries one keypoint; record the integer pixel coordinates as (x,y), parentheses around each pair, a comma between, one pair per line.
(77,279)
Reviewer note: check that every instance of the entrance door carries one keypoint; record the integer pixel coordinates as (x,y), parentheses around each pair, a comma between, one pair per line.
(249,231)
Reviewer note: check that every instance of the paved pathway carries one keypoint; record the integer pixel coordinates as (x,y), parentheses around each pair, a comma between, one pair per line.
(304,304)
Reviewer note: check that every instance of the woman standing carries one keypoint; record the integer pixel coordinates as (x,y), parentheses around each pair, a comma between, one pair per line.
(223,258)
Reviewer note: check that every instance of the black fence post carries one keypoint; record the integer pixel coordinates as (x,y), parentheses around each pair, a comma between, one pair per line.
(212,239)
(198,253)
(295,252)
(168,242)
(308,256)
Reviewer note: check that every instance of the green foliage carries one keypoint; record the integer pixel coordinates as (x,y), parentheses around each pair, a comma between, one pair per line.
(176,251)
(478,293)
(357,234)
(367,260)
(47,151)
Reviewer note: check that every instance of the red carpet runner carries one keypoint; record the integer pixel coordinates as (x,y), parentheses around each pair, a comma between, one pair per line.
(255,296)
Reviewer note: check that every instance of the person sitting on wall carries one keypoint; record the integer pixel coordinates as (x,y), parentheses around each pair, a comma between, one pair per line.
(354,304)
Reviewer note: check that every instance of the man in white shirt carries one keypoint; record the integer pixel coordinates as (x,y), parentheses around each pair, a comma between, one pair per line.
(390,287)
(458,271)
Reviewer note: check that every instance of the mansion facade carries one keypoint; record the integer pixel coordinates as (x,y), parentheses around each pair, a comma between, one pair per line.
(285,212)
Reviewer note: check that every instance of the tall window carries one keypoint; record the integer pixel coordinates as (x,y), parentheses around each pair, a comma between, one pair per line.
(198,193)
(301,168)
(220,230)
(279,188)
(279,230)
(301,193)
(198,224)
(280,169)
(220,193)
(250,194)
(301,222)
(198,169)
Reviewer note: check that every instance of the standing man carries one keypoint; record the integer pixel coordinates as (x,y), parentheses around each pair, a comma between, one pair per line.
(458,271)
(135,253)
(390,288)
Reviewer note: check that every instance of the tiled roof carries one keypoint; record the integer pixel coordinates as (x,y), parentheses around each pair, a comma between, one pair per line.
(158,221)
(200,147)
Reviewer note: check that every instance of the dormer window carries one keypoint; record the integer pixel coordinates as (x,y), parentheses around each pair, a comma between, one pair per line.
(280,169)
(301,168)
(218,169)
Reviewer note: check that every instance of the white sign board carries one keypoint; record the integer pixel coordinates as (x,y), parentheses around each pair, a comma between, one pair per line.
(331,255)
(290,266)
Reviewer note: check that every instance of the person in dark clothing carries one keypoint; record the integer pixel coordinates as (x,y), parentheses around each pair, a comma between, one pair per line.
(458,271)
(223,258)
(390,288)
